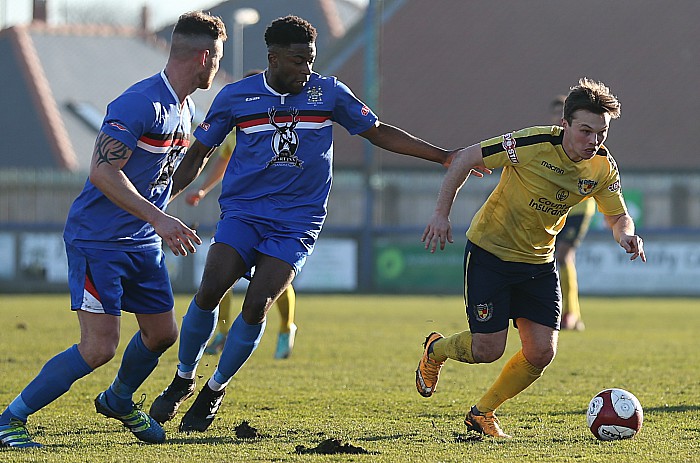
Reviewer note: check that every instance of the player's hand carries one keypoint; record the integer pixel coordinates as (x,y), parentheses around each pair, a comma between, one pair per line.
(176,235)
(437,231)
(193,198)
(633,244)
(478,171)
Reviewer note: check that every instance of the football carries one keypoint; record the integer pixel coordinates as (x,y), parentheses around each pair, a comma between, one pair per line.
(614,414)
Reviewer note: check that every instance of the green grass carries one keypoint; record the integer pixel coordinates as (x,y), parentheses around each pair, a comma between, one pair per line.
(352,377)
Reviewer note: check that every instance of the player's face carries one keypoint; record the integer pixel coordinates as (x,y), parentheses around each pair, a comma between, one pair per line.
(290,68)
(211,66)
(587,132)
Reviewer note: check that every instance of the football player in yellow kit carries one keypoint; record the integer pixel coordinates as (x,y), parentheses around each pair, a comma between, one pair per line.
(509,256)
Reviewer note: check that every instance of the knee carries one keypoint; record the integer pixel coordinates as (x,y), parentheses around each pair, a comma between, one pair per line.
(540,358)
(160,342)
(487,353)
(97,354)
(254,311)
(209,295)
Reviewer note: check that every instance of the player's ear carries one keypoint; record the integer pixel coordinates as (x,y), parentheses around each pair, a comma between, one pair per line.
(203,57)
(272,58)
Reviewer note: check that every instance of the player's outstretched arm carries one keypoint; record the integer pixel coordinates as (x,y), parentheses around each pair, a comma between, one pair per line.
(399,141)
(622,226)
(439,230)
(191,166)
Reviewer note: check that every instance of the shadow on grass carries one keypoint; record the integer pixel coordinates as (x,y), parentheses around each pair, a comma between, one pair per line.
(672,409)
(212,440)
(387,438)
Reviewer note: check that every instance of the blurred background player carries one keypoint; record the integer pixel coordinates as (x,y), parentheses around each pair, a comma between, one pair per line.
(286,303)
(568,240)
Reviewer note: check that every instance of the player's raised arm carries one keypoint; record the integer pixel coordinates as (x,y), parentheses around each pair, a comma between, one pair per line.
(465,161)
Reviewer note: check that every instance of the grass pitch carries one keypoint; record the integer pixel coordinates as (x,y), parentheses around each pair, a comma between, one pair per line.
(351,378)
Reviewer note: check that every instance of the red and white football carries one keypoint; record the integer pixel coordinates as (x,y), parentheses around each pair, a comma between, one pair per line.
(614,414)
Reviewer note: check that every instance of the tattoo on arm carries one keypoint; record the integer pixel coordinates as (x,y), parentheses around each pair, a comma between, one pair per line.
(108,150)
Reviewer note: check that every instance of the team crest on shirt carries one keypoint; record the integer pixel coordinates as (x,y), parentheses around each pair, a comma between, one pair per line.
(285,140)
(586,186)
(562,194)
(315,95)
(484,312)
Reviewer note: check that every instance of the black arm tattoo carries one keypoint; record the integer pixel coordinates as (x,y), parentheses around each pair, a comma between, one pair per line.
(109,150)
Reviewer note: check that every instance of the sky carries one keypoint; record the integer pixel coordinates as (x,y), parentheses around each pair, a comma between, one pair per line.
(163,12)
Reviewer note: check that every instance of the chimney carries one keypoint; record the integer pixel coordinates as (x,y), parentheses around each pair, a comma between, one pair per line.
(39,11)
(145,19)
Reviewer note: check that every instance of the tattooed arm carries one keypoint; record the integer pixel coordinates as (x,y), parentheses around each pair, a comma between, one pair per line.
(108,159)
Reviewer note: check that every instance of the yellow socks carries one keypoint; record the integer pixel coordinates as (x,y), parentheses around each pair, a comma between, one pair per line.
(515,377)
(456,347)
(224,322)
(569,290)
(286,304)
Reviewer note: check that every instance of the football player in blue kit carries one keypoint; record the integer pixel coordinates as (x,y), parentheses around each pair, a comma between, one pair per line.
(114,235)
(273,200)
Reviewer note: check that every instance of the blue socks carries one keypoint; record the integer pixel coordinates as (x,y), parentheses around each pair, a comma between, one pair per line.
(138,363)
(54,380)
(242,340)
(197,327)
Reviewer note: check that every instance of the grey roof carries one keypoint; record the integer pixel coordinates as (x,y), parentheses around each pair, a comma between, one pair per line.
(87,65)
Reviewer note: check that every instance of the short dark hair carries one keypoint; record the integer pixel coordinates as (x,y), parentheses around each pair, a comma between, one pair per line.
(592,96)
(283,32)
(199,23)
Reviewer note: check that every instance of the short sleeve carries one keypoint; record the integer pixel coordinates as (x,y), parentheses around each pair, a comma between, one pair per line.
(218,122)
(128,118)
(350,112)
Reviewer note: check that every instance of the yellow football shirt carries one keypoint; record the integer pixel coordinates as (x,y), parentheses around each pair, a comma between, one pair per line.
(227,146)
(585,207)
(539,185)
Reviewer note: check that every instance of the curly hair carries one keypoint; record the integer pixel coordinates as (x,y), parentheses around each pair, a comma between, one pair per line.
(283,32)
(592,96)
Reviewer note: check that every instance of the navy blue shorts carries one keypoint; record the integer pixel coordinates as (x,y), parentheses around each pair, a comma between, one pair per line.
(249,238)
(497,291)
(110,281)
